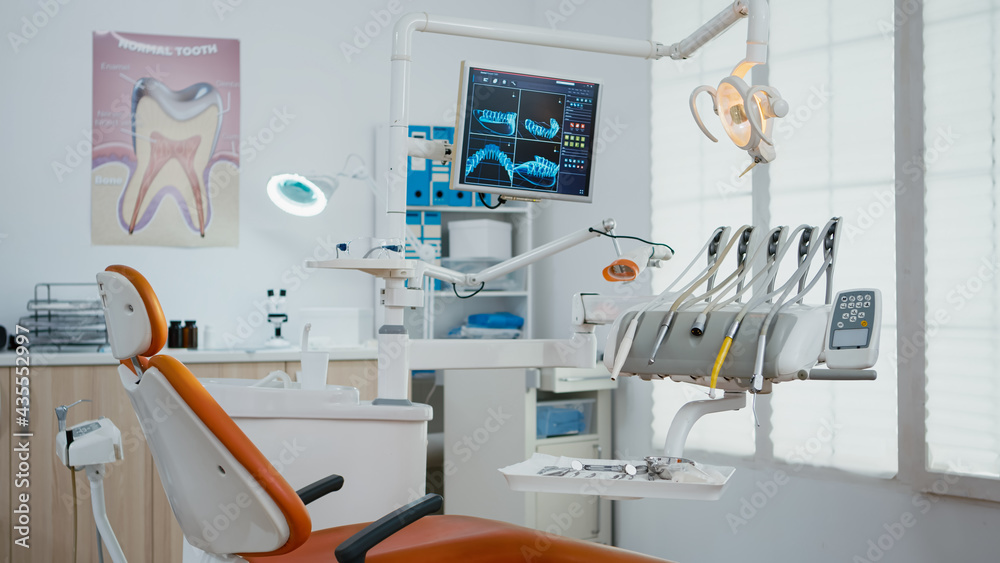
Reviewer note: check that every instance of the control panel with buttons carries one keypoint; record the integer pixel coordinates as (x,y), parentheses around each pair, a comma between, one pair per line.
(855,324)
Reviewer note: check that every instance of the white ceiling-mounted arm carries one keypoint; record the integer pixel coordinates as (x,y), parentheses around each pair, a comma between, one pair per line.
(712,29)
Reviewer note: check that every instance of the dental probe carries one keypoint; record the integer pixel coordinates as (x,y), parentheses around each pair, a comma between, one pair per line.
(668,318)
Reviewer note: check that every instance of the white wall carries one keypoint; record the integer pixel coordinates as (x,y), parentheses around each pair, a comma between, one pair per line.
(797,515)
(291,60)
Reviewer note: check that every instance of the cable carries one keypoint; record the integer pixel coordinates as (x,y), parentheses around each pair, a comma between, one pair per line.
(473,294)
(500,201)
(625,345)
(72,477)
(609,235)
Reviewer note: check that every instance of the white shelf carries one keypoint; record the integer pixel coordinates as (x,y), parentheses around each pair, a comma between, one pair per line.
(450,209)
(483,293)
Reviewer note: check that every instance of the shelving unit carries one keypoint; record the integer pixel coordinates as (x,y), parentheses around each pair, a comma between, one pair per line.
(444,311)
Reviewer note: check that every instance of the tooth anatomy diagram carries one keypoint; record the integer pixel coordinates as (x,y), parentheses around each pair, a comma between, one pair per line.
(539,172)
(540,131)
(174,135)
(499,122)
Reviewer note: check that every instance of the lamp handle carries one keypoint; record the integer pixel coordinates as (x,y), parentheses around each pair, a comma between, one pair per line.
(776,107)
(694,109)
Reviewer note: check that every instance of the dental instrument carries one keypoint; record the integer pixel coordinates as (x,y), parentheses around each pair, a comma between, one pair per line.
(668,318)
(800,274)
(625,346)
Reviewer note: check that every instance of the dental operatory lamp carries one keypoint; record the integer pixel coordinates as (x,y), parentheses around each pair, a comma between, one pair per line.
(746,111)
(301,195)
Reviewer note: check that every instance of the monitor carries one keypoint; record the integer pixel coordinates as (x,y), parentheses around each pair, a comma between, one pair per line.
(525,134)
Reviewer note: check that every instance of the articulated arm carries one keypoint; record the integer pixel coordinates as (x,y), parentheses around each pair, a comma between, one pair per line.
(521,260)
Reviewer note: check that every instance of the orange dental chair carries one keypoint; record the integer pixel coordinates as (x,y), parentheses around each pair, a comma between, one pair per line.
(233,505)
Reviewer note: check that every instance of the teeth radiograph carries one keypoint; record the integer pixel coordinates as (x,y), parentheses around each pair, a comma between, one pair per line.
(499,122)
(540,172)
(174,134)
(540,131)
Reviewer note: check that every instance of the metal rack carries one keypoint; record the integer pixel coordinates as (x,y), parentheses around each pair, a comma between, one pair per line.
(62,319)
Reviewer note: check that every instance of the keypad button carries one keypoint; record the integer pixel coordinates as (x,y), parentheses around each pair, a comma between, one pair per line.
(868,297)
(861,314)
(845,315)
(843,298)
(853,319)
(851,298)
(843,305)
(868,304)
(840,324)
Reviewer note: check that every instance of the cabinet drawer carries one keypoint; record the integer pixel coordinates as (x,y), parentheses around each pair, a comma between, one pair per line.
(568,380)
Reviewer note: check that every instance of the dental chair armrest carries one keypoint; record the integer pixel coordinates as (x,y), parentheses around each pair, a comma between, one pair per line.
(320,488)
(357,546)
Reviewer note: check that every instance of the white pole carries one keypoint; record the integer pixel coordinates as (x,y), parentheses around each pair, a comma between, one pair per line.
(95,474)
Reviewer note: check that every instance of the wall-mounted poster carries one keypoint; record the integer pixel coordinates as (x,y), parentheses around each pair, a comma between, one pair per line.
(166,129)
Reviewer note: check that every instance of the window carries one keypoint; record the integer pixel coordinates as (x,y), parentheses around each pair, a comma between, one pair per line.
(841,152)
(962,318)
(696,188)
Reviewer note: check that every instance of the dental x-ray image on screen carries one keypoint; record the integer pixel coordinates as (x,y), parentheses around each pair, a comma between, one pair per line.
(526,135)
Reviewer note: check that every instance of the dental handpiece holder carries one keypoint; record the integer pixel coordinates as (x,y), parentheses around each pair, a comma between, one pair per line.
(795,342)
(89,446)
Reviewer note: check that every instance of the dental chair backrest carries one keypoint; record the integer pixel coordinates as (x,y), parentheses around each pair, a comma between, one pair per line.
(224,493)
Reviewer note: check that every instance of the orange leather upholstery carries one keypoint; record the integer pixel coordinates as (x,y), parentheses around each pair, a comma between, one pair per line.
(158,322)
(219,423)
(436,539)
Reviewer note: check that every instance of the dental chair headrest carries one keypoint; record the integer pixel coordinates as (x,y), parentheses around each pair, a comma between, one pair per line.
(136,325)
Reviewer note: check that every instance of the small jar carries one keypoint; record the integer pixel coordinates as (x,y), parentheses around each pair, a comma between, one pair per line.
(174,337)
(190,335)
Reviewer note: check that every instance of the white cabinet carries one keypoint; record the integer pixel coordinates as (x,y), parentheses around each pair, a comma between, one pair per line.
(490,422)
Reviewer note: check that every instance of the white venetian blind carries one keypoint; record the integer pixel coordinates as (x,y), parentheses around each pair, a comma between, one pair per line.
(695,189)
(962,99)
(833,62)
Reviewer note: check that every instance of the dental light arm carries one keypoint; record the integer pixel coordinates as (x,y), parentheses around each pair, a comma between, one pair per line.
(521,260)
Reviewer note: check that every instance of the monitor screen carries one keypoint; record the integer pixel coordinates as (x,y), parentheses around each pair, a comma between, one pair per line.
(524,134)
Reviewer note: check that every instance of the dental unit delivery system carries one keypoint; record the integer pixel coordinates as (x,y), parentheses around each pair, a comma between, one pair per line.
(771,337)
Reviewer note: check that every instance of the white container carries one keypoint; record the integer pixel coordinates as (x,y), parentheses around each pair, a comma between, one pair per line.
(379,450)
(479,238)
(337,327)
